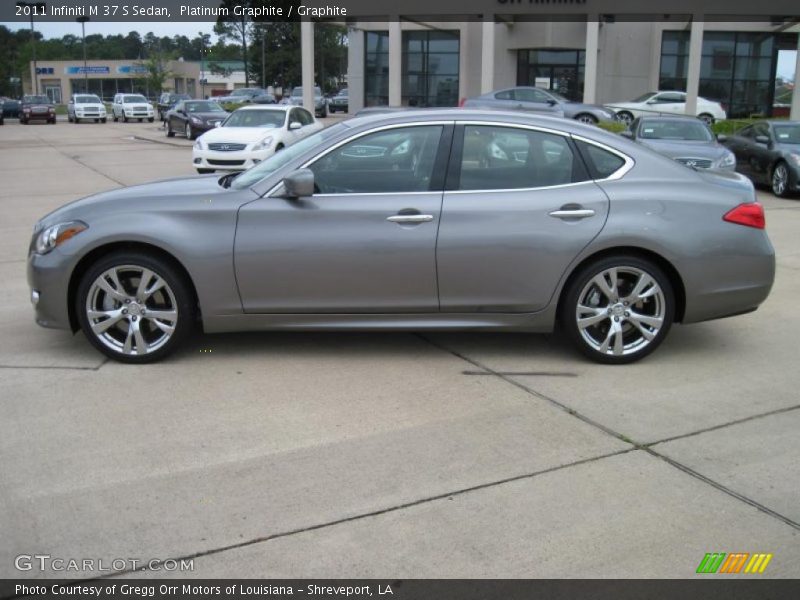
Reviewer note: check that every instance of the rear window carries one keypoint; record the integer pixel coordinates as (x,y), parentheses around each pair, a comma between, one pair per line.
(601,162)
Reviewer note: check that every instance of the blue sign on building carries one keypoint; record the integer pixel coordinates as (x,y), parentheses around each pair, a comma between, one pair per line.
(86,70)
(44,70)
(137,69)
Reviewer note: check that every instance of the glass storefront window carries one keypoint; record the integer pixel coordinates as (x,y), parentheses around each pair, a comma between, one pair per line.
(376,68)
(431,64)
(558,70)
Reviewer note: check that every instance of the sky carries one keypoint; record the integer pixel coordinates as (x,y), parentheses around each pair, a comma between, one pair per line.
(57,30)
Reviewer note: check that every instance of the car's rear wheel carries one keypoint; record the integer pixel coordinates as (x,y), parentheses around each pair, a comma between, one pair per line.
(586,118)
(124,118)
(134,307)
(170,133)
(625,117)
(618,309)
(707,119)
(780,180)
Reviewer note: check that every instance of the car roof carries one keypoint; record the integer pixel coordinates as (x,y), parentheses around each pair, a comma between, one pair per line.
(275,107)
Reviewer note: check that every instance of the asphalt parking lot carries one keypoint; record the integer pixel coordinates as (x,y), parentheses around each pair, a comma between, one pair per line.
(386,454)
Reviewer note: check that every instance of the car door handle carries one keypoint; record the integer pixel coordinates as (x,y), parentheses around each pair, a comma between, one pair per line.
(410,218)
(572,213)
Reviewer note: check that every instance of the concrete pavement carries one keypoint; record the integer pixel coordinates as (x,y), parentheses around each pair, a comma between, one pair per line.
(384,455)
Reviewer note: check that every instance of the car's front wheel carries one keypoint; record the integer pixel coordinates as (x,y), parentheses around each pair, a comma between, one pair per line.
(188,132)
(586,118)
(625,117)
(134,307)
(707,119)
(618,309)
(780,180)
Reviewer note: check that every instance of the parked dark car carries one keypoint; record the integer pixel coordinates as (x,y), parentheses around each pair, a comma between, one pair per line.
(193,117)
(241,96)
(339,102)
(37,108)
(685,139)
(264,99)
(768,152)
(11,108)
(537,100)
(167,101)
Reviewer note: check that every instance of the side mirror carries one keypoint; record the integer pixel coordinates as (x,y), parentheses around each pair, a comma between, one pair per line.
(294,125)
(654,101)
(552,102)
(626,134)
(721,137)
(762,139)
(299,184)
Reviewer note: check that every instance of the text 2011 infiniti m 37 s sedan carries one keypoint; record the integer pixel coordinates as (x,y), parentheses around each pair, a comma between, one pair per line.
(418,220)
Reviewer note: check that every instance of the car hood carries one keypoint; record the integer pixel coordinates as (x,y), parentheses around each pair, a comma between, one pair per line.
(179,189)
(686,149)
(239,134)
(210,116)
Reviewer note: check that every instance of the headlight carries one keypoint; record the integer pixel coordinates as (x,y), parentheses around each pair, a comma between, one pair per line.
(54,236)
(196,121)
(795,158)
(199,145)
(727,161)
(263,144)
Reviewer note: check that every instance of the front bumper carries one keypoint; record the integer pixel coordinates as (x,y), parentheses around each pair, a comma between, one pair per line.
(228,161)
(48,280)
(139,114)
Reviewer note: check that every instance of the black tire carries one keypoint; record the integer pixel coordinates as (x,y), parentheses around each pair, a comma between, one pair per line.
(151,120)
(188,132)
(707,119)
(170,133)
(103,120)
(586,118)
(663,304)
(781,191)
(175,280)
(124,118)
(625,117)
(114,117)
(205,171)
(97,120)
(69,119)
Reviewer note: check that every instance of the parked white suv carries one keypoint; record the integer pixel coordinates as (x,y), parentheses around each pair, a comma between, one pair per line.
(665,103)
(132,106)
(85,106)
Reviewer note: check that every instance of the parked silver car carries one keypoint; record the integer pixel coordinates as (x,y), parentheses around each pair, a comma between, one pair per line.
(436,219)
(687,140)
(537,100)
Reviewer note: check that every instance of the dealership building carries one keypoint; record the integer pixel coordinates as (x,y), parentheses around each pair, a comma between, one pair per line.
(586,50)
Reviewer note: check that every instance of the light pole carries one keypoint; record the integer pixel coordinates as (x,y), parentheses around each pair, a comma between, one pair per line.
(82,21)
(202,65)
(33,8)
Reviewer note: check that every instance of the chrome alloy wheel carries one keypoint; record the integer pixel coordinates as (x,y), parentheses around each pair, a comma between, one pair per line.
(131,310)
(780,179)
(620,311)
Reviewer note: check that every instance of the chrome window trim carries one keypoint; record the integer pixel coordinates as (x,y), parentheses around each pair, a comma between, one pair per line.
(356,137)
(514,126)
(508,190)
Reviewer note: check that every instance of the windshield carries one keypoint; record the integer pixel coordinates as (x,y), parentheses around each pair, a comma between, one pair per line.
(35,99)
(787,134)
(87,100)
(256,118)
(203,106)
(135,98)
(688,130)
(279,159)
(298,92)
(643,97)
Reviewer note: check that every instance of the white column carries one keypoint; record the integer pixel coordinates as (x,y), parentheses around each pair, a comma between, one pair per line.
(590,67)
(795,113)
(355,70)
(693,72)
(307,63)
(395,62)
(487,54)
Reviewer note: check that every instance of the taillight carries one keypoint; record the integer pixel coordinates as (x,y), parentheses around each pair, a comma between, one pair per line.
(750,214)
(461,103)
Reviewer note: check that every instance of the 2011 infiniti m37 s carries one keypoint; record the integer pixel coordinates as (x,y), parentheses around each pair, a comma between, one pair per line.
(417,220)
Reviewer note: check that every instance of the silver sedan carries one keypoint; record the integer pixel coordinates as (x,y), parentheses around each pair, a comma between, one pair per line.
(417,220)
